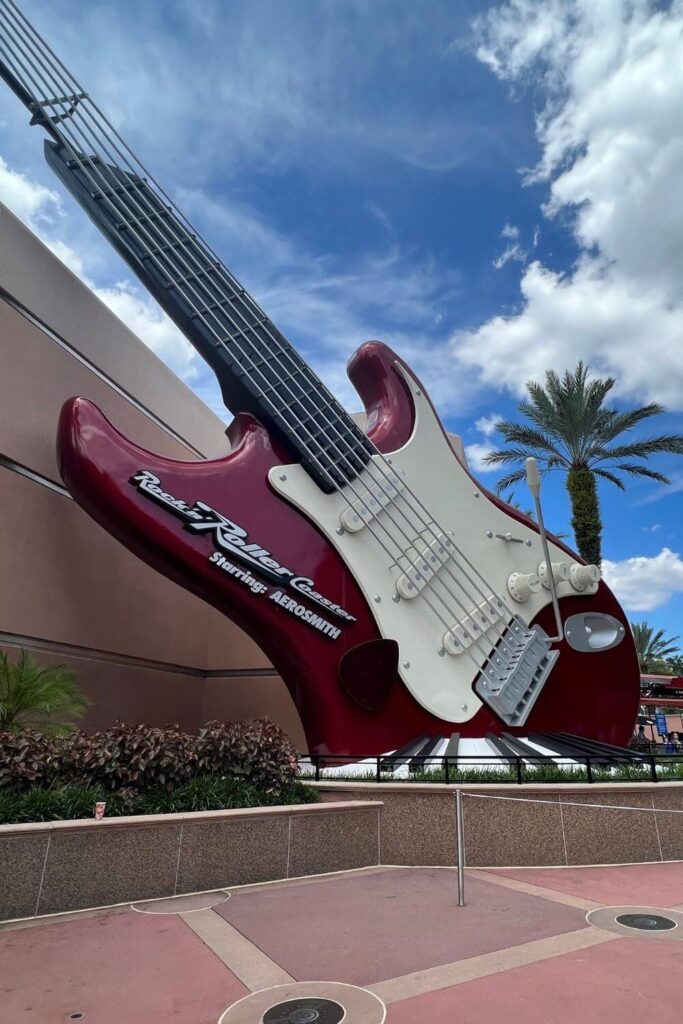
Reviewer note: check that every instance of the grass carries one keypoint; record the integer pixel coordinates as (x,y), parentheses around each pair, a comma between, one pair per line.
(538,773)
(207,793)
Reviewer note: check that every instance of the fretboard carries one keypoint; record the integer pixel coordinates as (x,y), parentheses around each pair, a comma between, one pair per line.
(257,368)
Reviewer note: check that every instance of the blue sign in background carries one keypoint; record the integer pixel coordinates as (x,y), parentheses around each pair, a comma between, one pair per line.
(660,719)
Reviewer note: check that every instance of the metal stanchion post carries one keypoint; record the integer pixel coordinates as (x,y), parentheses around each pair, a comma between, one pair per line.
(460,837)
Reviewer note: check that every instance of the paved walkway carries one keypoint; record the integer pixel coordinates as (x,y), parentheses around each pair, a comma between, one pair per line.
(385,943)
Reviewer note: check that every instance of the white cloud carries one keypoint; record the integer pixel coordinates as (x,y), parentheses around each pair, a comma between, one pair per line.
(38,207)
(651,529)
(512,252)
(144,317)
(642,584)
(487,424)
(510,231)
(611,136)
(31,202)
(476,453)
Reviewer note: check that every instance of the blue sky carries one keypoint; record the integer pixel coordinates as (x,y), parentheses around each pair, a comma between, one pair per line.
(493,190)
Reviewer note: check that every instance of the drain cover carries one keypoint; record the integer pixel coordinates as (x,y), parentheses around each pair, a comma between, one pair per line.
(304,1011)
(646,922)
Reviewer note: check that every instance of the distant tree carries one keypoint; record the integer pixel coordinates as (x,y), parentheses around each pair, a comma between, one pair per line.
(675,665)
(45,699)
(652,647)
(568,428)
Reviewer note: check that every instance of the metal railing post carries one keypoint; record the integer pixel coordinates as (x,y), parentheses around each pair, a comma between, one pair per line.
(445,764)
(317,767)
(653,766)
(378,777)
(460,839)
(518,763)
(589,770)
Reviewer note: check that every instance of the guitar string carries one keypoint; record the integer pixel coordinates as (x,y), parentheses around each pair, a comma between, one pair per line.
(496,623)
(410,540)
(449,627)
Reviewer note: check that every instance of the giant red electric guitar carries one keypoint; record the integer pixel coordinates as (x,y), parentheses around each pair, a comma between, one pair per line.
(396,597)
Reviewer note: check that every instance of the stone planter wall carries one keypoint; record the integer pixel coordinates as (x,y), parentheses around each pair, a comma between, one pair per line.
(60,866)
(418,822)
(51,867)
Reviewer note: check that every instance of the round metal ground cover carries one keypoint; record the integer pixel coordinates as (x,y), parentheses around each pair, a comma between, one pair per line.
(331,1001)
(182,904)
(646,922)
(307,1010)
(639,922)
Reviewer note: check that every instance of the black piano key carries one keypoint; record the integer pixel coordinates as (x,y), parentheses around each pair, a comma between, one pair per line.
(428,748)
(452,748)
(553,742)
(520,747)
(607,748)
(500,745)
(404,753)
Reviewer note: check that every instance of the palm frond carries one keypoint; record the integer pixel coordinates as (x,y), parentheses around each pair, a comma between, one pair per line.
(611,477)
(46,698)
(509,481)
(635,469)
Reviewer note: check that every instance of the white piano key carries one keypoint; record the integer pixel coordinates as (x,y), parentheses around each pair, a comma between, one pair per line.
(565,762)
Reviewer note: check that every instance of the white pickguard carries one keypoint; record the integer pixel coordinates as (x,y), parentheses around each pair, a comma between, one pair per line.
(440,682)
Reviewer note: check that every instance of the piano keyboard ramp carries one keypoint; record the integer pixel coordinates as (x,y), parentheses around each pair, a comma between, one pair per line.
(426,756)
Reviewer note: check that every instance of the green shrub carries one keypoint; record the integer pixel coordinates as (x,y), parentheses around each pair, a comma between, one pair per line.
(132,759)
(258,752)
(206,793)
(138,757)
(26,759)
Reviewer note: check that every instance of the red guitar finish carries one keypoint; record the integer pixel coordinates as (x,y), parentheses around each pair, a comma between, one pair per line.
(594,695)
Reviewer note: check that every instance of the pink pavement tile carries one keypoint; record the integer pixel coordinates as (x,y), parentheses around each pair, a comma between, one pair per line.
(365,928)
(127,967)
(627,981)
(656,885)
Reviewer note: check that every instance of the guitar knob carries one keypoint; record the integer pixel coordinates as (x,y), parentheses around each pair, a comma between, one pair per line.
(522,585)
(560,573)
(583,576)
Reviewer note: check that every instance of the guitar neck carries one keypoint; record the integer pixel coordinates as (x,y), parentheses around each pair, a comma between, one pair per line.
(257,369)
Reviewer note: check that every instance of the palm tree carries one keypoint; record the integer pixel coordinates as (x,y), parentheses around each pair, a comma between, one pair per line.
(32,697)
(570,429)
(675,665)
(651,646)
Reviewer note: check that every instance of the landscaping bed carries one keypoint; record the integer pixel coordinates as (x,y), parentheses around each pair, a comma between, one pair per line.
(141,770)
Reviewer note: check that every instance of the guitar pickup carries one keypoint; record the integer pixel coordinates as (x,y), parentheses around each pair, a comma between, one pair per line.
(371,503)
(421,563)
(472,627)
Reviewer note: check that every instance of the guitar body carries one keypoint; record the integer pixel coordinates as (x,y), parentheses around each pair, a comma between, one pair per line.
(238,533)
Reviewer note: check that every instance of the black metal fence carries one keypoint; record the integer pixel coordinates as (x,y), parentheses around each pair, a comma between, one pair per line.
(493,769)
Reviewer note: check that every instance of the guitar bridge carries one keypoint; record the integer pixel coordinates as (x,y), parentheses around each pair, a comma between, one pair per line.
(515,673)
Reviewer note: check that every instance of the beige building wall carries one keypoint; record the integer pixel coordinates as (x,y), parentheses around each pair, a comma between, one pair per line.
(143,648)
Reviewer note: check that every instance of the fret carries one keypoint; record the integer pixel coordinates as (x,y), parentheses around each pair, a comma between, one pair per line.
(218,304)
(118,190)
(147,218)
(195,276)
(73,98)
(243,331)
(148,254)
